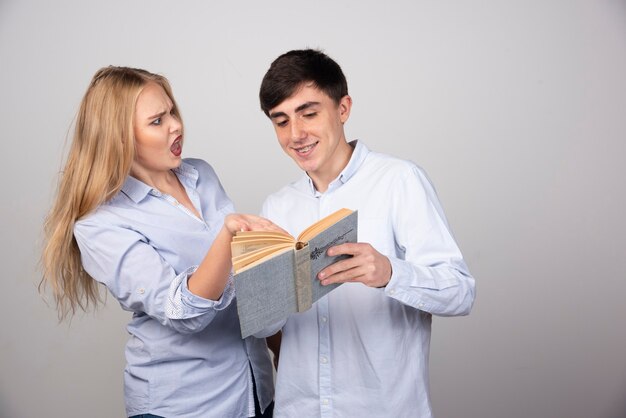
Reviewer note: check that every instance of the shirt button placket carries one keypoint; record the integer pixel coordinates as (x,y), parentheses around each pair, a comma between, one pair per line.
(325,382)
(324,358)
(325,202)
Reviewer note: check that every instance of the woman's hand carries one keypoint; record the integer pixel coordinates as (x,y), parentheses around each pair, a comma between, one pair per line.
(242,222)
(212,274)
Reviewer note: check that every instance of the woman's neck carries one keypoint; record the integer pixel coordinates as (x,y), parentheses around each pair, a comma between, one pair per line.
(164,181)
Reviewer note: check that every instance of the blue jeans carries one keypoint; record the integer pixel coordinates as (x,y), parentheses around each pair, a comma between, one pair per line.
(146,416)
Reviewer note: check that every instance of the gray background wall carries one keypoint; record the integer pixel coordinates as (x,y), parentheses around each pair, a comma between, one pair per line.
(514,108)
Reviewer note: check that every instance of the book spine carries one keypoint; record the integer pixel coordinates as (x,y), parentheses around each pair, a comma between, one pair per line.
(304,292)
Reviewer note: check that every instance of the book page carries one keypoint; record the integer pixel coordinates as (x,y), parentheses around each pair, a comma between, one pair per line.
(248,235)
(322,224)
(244,246)
(249,246)
(249,260)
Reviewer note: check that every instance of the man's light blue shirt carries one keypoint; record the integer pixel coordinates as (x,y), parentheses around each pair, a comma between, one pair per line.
(362,351)
(185,356)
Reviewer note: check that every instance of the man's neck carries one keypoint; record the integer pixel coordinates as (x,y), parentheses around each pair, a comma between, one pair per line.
(323,178)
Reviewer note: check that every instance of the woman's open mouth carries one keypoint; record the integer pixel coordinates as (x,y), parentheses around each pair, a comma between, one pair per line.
(177,146)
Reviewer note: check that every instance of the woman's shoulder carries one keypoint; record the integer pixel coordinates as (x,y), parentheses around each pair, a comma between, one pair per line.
(206,174)
(108,213)
(121,210)
(197,163)
(208,183)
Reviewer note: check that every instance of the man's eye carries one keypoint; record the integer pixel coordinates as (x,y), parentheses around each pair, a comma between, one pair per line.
(281,123)
(310,115)
(157,121)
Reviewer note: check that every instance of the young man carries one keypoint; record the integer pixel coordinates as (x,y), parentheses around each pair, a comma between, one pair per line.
(363,349)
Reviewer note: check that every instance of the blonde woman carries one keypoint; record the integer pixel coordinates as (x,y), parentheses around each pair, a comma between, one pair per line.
(155,229)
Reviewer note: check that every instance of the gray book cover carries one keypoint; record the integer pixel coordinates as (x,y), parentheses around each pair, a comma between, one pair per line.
(287,283)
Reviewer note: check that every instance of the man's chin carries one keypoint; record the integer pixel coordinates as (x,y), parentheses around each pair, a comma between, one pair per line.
(305,166)
(302,163)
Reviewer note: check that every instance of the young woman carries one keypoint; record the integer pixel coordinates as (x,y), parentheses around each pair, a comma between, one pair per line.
(155,229)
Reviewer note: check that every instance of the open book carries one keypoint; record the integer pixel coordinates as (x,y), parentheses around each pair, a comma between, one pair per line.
(276,274)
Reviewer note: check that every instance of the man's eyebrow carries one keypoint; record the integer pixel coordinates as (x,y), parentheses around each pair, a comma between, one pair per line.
(306,106)
(300,108)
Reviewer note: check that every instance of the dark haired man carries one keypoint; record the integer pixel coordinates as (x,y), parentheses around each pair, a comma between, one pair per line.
(363,349)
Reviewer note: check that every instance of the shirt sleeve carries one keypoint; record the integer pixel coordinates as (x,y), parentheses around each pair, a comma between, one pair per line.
(140,279)
(429,272)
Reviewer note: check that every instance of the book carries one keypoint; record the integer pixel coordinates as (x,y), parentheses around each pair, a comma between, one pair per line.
(275,274)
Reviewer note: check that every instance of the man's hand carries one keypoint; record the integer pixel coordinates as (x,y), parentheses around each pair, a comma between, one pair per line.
(366,265)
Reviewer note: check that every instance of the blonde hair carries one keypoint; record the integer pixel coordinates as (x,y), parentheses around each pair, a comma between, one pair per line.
(100,158)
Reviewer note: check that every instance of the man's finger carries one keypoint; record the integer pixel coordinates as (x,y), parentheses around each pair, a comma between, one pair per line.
(350,248)
(338,267)
(352,275)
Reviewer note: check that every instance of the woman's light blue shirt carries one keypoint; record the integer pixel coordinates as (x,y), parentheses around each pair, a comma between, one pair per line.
(185,355)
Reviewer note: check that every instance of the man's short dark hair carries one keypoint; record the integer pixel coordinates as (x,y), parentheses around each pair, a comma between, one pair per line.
(289,71)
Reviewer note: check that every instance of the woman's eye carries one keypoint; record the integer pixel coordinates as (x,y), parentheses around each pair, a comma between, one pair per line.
(157,121)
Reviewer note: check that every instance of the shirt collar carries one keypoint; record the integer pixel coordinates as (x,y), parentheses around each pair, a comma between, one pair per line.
(137,190)
(358,156)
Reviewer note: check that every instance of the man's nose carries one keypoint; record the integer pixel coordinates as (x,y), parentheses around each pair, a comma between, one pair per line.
(297,130)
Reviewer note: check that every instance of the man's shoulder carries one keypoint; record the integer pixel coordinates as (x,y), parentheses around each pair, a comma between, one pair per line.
(390,164)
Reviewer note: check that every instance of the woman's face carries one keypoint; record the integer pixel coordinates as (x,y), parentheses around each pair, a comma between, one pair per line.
(158,133)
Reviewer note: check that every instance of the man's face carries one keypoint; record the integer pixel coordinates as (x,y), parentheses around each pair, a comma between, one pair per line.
(309,127)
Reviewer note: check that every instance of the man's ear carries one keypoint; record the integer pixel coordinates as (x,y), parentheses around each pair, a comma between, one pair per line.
(345,105)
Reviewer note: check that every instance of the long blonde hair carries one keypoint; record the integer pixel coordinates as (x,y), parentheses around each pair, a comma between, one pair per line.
(100,158)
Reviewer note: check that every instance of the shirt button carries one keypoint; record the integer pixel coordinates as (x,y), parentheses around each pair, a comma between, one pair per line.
(324,401)
(421,305)
(324,319)
(392,291)
(323,360)
(142,291)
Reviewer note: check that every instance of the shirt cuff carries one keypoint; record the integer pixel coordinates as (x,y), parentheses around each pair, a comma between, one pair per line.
(182,303)
(400,283)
